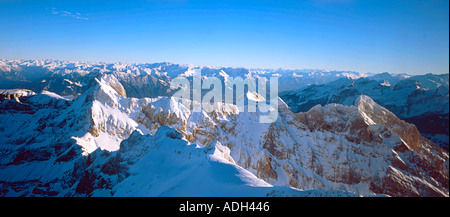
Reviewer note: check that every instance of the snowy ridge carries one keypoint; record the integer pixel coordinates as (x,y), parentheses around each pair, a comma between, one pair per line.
(171,166)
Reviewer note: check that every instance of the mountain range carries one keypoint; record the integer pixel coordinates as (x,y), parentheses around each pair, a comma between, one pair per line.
(94,129)
(422,99)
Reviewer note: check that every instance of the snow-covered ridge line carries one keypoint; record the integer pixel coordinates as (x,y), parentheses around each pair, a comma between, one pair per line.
(171,166)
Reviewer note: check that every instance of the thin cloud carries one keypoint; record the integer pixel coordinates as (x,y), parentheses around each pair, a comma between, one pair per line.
(69,14)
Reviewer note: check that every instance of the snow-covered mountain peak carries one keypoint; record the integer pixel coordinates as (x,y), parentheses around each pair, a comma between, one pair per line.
(216,150)
(365,102)
(106,93)
(167,132)
(112,82)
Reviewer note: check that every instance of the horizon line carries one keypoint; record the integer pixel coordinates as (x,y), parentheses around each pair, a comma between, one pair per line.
(217,67)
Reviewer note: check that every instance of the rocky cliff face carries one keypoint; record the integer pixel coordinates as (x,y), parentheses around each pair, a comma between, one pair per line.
(367,145)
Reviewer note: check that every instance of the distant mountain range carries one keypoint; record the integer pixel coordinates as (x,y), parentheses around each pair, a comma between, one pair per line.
(141,80)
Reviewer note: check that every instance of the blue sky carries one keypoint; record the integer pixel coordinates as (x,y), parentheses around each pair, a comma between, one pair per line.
(401,36)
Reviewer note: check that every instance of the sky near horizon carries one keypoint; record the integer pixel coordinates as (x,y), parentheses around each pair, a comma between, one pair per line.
(358,35)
